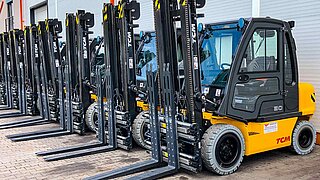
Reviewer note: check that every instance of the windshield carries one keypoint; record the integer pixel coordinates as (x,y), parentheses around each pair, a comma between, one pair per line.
(147,55)
(217,51)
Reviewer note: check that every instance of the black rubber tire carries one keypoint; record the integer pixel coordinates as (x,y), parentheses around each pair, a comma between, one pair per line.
(309,131)
(209,143)
(39,104)
(91,113)
(138,129)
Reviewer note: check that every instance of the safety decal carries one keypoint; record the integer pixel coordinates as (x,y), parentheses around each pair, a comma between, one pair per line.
(218,92)
(206,90)
(157,5)
(130,63)
(270,127)
(195,62)
(313,97)
(57,63)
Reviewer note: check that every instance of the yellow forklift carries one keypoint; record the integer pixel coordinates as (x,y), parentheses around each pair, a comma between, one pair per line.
(252,100)
(256,101)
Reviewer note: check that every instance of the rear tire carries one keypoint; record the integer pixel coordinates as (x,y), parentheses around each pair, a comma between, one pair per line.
(223,148)
(139,128)
(303,138)
(91,117)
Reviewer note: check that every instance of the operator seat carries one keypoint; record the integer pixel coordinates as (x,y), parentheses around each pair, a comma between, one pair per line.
(259,64)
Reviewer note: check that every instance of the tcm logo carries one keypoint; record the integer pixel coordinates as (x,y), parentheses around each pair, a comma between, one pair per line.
(129,39)
(194,33)
(283,139)
(84,44)
(36,50)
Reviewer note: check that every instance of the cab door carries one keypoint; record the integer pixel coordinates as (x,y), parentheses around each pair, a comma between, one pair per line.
(255,90)
(291,98)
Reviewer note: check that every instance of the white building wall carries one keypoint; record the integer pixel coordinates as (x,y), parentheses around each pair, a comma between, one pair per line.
(59,8)
(217,10)
(146,21)
(214,11)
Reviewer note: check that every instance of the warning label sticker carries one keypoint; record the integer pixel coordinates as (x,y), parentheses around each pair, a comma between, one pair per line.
(130,63)
(270,127)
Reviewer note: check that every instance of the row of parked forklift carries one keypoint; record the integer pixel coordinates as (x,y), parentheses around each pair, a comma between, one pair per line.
(193,95)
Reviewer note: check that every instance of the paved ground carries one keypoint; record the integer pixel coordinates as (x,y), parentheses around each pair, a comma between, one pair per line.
(18,161)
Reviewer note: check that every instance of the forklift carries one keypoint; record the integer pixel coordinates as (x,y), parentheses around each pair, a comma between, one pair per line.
(143,42)
(257,103)
(3,74)
(146,55)
(241,102)
(30,80)
(12,44)
(4,87)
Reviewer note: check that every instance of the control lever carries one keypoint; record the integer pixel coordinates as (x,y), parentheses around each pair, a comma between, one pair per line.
(202,97)
(135,89)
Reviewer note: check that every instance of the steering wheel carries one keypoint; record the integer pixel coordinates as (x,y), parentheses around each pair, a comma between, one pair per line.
(224,64)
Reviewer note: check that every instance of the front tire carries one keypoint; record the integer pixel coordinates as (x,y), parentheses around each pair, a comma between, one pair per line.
(91,117)
(303,138)
(140,128)
(223,148)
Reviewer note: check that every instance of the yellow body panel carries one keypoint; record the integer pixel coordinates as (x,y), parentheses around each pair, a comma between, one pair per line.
(144,106)
(307,99)
(260,136)
(265,136)
(95,98)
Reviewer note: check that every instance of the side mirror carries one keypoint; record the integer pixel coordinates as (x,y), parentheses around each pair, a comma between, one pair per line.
(291,24)
(201,3)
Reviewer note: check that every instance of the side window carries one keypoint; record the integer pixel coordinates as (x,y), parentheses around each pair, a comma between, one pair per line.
(287,61)
(262,52)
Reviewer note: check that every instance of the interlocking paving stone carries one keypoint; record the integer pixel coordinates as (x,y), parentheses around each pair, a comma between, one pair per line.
(18,160)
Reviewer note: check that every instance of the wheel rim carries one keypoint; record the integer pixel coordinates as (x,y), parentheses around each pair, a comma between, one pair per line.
(95,120)
(305,138)
(145,132)
(228,150)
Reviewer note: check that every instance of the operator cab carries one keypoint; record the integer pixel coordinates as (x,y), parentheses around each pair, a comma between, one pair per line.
(249,69)
(146,54)
(219,42)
